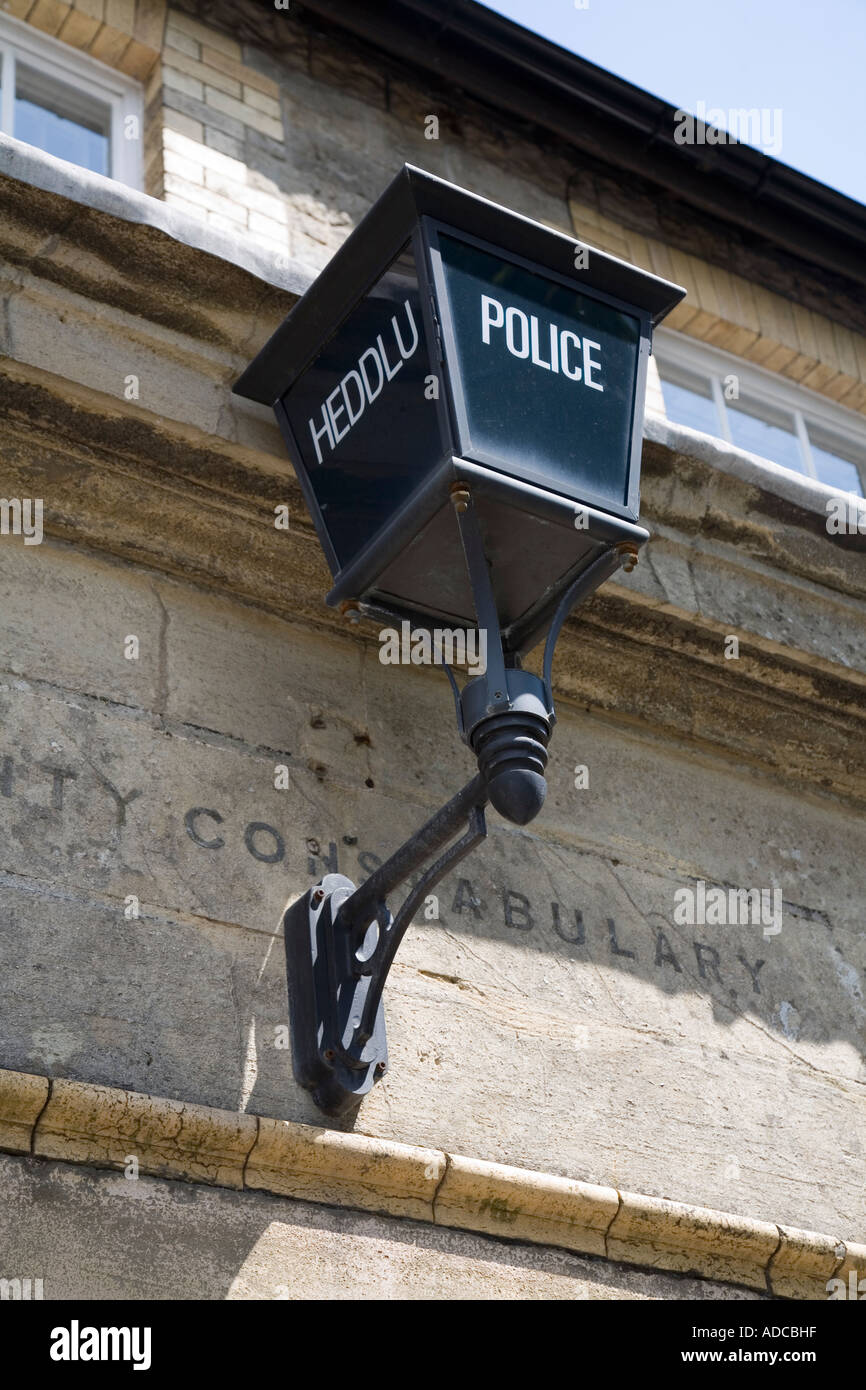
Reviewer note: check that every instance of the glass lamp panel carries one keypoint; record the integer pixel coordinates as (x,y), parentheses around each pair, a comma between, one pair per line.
(547,375)
(363,415)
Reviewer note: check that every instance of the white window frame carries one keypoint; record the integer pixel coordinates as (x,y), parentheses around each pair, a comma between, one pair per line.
(122,94)
(801,403)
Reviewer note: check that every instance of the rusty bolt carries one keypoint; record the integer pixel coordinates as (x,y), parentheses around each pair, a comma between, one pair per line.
(350,609)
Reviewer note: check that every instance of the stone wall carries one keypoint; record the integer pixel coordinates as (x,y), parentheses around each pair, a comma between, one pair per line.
(95,1235)
(557,1016)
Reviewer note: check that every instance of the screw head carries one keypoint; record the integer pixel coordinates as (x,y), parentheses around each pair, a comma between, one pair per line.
(629,553)
(349,609)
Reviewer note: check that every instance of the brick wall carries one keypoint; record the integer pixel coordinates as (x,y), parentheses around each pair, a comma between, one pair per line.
(744,318)
(124,34)
(210,99)
(295,158)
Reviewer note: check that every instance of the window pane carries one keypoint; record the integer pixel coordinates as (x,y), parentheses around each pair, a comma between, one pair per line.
(61,120)
(765,431)
(835,461)
(689,400)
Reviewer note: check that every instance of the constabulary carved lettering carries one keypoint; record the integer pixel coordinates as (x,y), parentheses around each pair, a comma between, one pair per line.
(266,844)
(56,779)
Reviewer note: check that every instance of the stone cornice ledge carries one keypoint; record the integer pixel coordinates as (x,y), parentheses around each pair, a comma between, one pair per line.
(52,206)
(29,165)
(98,1125)
(67,183)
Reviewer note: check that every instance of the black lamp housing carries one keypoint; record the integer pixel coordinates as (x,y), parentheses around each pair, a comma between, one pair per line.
(461,392)
(452,342)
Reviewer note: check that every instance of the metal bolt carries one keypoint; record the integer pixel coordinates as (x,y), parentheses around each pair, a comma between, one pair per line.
(629,553)
(349,609)
(329,1054)
(381,1068)
(461,497)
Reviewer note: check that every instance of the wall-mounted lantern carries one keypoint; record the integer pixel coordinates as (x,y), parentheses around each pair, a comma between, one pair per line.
(461,392)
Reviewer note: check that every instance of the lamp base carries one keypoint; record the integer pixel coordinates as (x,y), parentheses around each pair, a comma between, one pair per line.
(326,998)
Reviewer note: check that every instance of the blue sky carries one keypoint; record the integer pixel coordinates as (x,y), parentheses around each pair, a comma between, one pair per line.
(805,59)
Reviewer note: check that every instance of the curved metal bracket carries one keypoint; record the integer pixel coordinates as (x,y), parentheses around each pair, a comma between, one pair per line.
(595,574)
(455,691)
(341,940)
(340,945)
(483,598)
